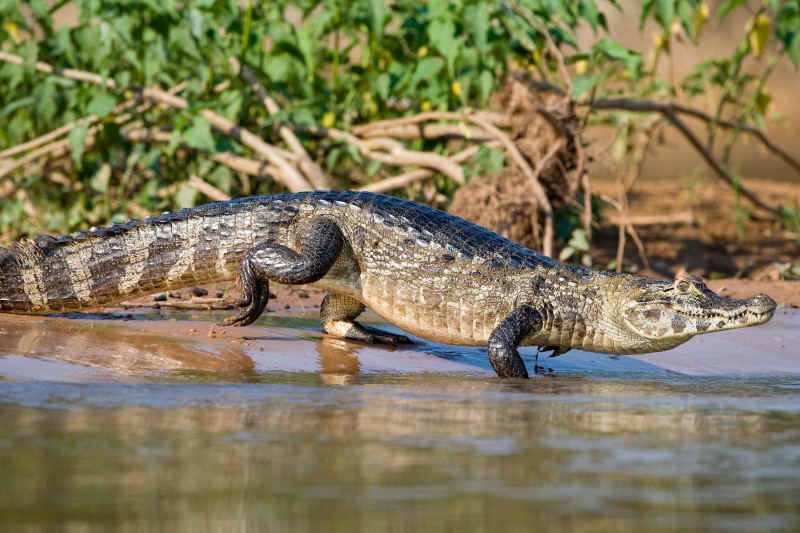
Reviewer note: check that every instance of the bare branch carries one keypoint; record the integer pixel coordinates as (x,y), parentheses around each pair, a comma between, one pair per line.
(311,170)
(395,154)
(209,190)
(403,180)
(79,75)
(717,166)
(54,150)
(430,131)
(625,225)
(497,119)
(252,167)
(670,109)
(288,176)
(522,163)
(683,217)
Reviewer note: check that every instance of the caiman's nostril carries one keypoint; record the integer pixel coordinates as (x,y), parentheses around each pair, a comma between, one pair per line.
(764,301)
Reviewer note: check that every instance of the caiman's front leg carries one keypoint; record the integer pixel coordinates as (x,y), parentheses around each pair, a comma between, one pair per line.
(505,339)
(338,313)
(318,245)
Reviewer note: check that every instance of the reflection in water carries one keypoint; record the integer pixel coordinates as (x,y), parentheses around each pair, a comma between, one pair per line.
(338,360)
(425,453)
(116,349)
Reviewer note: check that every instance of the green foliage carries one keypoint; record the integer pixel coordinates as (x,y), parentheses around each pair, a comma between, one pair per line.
(327,62)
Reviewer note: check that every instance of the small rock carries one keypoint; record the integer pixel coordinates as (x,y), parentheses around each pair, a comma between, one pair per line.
(303,294)
(198,291)
(220,295)
(272,296)
(164,296)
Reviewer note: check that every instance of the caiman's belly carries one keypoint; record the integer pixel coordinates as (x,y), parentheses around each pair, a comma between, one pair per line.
(424,310)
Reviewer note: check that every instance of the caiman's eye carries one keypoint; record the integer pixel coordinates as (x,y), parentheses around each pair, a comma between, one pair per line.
(683,285)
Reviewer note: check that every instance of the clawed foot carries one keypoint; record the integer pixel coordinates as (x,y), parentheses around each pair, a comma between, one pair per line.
(383,337)
(250,310)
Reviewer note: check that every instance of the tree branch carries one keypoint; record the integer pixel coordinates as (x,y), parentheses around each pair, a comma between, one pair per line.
(311,170)
(403,180)
(207,189)
(289,177)
(395,154)
(522,163)
(671,108)
(79,75)
(497,119)
(252,167)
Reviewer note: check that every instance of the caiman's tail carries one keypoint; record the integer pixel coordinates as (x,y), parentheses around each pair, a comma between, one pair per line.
(18,283)
(35,278)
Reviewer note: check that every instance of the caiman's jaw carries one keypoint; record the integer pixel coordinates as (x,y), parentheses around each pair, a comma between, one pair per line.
(674,312)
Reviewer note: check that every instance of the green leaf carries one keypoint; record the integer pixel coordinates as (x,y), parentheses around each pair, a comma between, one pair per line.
(232,104)
(381,85)
(787,30)
(377,14)
(579,240)
(303,40)
(16,104)
(477,20)
(728,6)
(438,9)
(486,84)
(199,135)
(613,50)
(76,138)
(196,25)
(101,179)
(644,12)
(581,84)
(588,9)
(46,95)
(666,11)
(101,104)
(186,196)
(39,7)
(442,36)
(427,68)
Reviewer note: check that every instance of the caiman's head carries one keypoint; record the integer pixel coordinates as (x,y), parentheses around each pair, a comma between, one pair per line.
(668,314)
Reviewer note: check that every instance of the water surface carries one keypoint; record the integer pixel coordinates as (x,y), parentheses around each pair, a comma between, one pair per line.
(112,430)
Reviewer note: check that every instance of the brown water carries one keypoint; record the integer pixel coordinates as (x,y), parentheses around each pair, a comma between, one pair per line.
(103,427)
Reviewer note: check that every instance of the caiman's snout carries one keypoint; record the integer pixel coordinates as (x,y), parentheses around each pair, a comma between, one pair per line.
(761,304)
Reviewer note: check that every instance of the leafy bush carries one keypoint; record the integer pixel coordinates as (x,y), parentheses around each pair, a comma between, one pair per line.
(330,67)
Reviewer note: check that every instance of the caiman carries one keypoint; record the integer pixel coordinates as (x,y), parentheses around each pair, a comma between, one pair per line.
(429,273)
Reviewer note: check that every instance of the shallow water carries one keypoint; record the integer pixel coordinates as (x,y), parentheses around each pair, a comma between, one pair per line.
(197,438)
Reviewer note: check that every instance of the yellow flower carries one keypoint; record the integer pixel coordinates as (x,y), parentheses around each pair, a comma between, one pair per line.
(329,119)
(700,19)
(13,31)
(456,88)
(758,34)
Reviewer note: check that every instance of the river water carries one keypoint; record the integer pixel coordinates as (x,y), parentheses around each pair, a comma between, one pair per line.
(350,439)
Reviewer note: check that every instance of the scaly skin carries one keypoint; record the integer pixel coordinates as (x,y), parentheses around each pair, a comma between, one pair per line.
(429,273)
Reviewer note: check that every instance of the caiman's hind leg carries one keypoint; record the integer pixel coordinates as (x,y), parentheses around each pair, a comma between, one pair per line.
(318,245)
(338,313)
